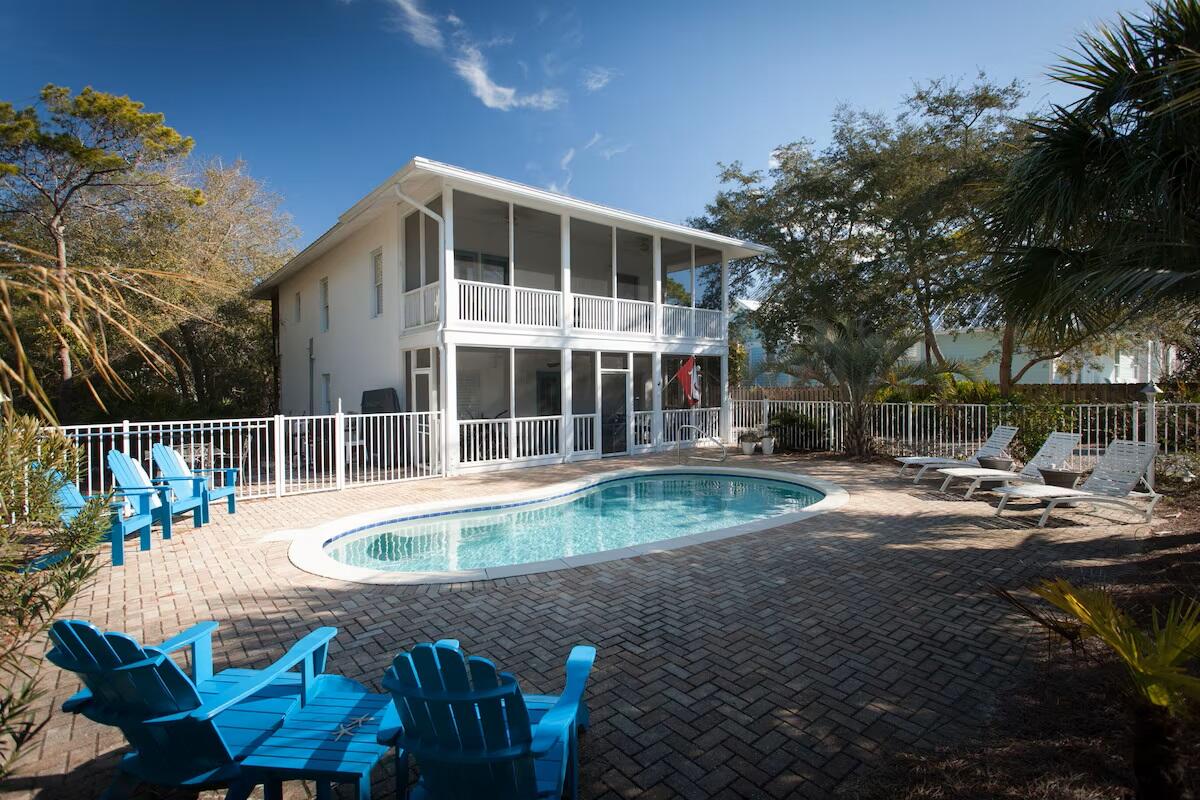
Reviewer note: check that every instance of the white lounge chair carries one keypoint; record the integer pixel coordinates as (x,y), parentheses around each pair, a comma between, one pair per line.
(1112,482)
(995,445)
(1057,448)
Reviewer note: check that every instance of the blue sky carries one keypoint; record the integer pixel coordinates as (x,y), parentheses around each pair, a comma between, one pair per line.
(626,103)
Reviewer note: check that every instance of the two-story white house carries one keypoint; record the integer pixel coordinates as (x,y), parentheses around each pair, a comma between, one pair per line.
(539,328)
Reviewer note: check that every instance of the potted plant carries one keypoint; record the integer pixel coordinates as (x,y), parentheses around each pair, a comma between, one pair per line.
(768,442)
(748,441)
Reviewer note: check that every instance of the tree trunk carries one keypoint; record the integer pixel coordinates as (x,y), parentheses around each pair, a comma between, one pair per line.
(1156,755)
(860,443)
(58,231)
(1007,340)
(931,345)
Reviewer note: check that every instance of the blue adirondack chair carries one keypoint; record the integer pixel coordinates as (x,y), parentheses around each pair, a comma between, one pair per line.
(164,504)
(71,500)
(475,735)
(181,477)
(189,731)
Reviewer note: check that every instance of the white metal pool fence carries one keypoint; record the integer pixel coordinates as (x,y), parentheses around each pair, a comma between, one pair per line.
(275,456)
(285,455)
(956,430)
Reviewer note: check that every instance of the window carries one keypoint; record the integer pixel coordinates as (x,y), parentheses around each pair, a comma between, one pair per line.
(326,393)
(635,266)
(537,248)
(537,387)
(324,304)
(412,251)
(376,283)
(708,277)
(432,241)
(296,308)
(677,273)
(480,239)
(591,258)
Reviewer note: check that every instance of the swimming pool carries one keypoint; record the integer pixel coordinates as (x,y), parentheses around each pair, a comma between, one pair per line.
(612,516)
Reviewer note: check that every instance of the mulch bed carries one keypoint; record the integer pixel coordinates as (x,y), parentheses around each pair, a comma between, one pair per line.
(1062,733)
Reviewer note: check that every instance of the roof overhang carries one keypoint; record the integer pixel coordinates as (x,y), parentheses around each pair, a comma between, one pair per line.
(421,178)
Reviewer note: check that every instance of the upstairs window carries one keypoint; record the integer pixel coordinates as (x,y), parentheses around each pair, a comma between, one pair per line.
(324,304)
(480,239)
(376,283)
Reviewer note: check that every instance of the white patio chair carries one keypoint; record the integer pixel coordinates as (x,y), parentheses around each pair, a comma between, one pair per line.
(995,445)
(1112,482)
(1057,448)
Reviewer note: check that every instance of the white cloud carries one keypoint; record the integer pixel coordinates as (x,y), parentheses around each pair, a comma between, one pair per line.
(467,59)
(567,158)
(472,67)
(595,140)
(610,152)
(422,27)
(596,78)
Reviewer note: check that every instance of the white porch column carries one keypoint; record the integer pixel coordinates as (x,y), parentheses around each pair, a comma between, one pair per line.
(726,407)
(449,285)
(656,419)
(724,297)
(568,309)
(568,424)
(449,381)
(658,320)
(725,419)
(512,404)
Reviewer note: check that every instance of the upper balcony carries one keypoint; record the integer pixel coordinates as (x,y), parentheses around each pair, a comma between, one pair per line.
(498,305)
(525,269)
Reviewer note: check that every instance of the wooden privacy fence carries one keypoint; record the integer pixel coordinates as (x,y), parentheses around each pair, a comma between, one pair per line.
(956,430)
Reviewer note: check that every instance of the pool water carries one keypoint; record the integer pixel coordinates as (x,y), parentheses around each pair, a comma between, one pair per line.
(609,516)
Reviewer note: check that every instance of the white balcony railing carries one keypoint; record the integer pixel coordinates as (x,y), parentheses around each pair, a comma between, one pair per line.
(421,306)
(643,428)
(538,437)
(706,323)
(676,321)
(585,433)
(481,441)
(500,304)
(538,307)
(591,313)
(482,302)
(708,420)
(635,316)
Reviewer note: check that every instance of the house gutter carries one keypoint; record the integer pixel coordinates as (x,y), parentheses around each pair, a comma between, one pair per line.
(443,281)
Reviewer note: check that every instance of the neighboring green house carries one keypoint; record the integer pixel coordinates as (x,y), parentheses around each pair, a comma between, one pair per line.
(756,352)
(981,346)
(1120,365)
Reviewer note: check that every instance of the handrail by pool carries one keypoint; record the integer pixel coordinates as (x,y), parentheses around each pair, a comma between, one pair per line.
(679,457)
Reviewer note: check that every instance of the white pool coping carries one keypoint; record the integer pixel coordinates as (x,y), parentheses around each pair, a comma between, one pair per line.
(307,550)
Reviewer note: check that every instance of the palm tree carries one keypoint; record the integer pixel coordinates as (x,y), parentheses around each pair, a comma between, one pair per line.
(1099,216)
(1156,661)
(855,358)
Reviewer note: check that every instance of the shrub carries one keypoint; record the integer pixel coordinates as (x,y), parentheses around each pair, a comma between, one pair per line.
(32,463)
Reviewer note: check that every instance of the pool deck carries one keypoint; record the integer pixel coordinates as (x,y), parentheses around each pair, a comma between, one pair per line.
(775,664)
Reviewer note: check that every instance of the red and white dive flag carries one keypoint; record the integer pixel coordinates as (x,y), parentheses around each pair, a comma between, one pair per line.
(689,380)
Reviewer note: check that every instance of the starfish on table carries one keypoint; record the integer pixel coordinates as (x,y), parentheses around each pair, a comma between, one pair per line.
(351,728)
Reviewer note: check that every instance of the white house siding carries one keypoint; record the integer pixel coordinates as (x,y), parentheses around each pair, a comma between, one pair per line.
(359,351)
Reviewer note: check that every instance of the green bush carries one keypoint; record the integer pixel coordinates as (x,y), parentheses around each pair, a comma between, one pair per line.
(32,462)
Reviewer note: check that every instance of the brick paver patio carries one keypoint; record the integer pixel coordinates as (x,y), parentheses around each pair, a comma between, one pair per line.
(775,664)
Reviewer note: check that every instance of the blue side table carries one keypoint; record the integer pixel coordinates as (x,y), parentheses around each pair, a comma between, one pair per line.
(332,739)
